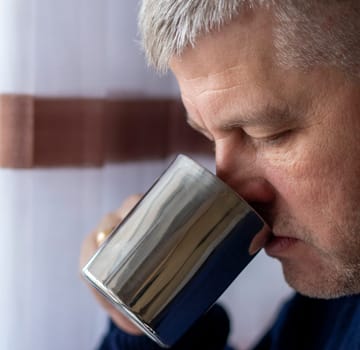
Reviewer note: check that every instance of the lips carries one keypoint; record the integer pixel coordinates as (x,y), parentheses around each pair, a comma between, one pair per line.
(273,243)
(277,245)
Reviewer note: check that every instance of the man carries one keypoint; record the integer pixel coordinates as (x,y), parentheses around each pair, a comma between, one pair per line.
(275,85)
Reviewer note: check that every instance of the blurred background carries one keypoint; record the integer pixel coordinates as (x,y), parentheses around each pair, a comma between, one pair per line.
(83,124)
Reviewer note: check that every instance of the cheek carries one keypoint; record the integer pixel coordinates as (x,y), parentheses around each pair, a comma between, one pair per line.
(297,172)
(318,187)
(303,178)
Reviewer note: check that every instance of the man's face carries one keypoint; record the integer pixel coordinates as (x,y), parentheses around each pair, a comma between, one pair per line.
(288,141)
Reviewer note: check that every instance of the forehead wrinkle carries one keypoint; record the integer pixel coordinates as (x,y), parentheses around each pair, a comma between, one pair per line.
(270,113)
(213,91)
(216,82)
(267,110)
(229,70)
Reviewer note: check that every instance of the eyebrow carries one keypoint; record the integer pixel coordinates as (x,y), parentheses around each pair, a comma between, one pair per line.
(269,115)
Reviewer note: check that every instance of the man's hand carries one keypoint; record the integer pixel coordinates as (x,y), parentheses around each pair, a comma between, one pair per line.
(91,244)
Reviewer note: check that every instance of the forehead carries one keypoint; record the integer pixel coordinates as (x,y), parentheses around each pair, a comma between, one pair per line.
(233,64)
(220,54)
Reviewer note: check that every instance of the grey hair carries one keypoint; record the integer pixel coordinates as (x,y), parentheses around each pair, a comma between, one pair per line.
(319,32)
(168,26)
(307,32)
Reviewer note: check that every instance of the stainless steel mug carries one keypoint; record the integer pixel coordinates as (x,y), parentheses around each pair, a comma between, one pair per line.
(177,251)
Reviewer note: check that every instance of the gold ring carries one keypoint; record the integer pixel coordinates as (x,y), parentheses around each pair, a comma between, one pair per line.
(103,234)
(106,227)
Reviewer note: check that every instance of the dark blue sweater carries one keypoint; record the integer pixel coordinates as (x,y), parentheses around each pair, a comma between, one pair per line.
(302,324)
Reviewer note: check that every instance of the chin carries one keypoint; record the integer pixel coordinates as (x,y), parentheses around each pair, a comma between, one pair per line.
(322,284)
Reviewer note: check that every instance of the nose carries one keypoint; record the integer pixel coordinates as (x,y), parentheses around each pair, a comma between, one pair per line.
(242,171)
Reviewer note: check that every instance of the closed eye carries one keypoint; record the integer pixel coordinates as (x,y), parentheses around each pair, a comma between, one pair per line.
(272,140)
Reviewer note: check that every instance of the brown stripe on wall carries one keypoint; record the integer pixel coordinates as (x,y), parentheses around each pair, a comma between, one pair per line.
(37,131)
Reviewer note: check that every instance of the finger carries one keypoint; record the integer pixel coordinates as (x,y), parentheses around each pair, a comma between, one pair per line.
(111,220)
(90,245)
(88,248)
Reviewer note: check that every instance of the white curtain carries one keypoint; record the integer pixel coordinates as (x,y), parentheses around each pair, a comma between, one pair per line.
(74,48)
(81,48)
(44,215)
